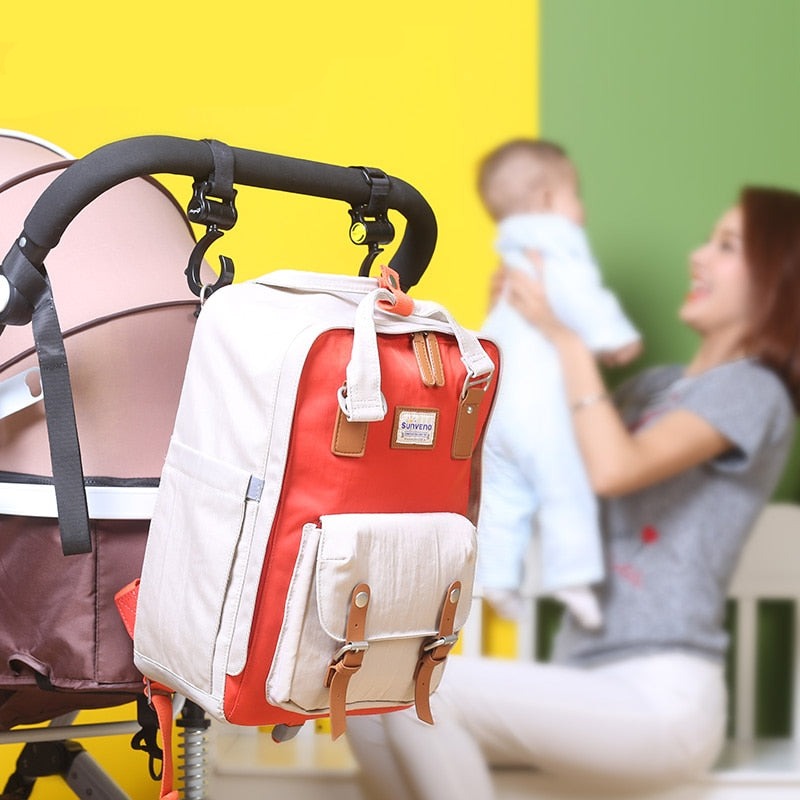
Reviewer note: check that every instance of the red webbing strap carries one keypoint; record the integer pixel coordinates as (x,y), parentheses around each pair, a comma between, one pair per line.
(125,600)
(160,698)
(158,695)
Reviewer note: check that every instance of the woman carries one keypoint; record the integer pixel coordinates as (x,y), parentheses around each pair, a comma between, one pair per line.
(685,459)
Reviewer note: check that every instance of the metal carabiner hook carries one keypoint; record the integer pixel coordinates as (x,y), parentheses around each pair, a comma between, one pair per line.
(192,271)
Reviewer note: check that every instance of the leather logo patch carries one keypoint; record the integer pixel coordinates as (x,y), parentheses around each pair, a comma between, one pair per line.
(415,427)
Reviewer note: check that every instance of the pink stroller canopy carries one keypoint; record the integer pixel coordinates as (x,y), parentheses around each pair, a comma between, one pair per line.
(127,316)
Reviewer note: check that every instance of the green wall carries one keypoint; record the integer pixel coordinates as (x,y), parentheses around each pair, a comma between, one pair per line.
(668,108)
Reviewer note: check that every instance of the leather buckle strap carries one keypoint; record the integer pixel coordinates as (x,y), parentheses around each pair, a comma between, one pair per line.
(435,651)
(467,416)
(348,658)
(429,358)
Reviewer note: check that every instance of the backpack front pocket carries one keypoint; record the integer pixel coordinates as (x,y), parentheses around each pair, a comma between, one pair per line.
(398,573)
(204,514)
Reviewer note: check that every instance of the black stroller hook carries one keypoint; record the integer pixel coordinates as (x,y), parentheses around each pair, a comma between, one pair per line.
(370,224)
(203,291)
(213,204)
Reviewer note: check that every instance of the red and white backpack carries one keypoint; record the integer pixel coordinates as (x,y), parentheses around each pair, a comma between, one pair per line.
(311,551)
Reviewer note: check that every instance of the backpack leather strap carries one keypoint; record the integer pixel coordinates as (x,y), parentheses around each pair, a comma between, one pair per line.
(347,661)
(435,651)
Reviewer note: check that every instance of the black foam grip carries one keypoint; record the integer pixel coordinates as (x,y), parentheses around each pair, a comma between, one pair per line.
(90,176)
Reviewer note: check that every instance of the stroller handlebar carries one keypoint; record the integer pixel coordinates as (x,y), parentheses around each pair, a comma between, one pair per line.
(100,170)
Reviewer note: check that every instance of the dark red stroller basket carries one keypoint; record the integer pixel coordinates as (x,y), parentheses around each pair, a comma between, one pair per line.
(127,315)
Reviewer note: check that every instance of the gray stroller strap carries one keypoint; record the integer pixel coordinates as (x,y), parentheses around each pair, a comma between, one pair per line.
(62,431)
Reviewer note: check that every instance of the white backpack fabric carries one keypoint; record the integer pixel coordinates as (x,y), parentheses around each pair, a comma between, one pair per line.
(310,551)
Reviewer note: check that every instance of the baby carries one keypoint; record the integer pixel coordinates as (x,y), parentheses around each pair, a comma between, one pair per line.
(534,478)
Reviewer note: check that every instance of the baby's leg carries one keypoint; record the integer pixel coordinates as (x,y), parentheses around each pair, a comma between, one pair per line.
(505,525)
(571,557)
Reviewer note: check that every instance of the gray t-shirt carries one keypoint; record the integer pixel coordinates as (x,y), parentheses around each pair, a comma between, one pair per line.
(671,548)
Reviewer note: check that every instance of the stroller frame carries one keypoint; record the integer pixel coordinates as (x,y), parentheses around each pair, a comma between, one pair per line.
(55,750)
(370,194)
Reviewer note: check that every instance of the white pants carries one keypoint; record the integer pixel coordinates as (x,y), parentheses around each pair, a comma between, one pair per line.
(644,721)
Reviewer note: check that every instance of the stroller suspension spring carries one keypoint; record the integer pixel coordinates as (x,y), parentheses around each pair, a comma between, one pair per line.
(192,749)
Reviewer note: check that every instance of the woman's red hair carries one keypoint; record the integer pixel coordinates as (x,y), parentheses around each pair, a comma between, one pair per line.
(772,249)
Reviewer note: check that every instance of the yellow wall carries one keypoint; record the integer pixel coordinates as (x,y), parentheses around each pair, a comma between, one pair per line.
(419,89)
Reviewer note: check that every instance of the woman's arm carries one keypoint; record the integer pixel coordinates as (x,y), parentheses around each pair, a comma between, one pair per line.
(617,461)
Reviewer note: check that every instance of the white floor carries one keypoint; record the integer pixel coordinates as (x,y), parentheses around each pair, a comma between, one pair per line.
(246,763)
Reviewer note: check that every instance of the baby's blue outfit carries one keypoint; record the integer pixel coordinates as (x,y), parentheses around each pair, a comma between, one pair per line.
(533,474)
